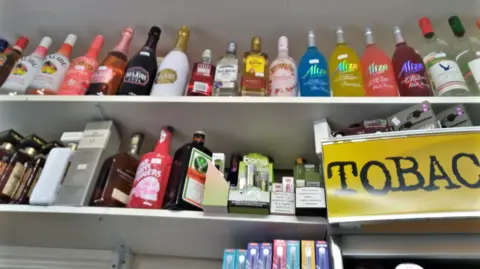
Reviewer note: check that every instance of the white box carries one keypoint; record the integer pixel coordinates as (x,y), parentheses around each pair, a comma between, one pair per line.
(282,203)
(322,132)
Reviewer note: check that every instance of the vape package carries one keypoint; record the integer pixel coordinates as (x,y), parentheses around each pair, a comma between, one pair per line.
(241,260)
(265,260)
(253,251)
(322,255)
(287,184)
(455,116)
(419,116)
(279,254)
(308,254)
(293,254)
(229,257)
(218,160)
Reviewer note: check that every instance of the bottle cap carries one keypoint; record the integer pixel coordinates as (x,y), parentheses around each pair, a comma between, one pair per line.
(45,42)
(457,26)
(397,34)
(232,48)
(155,30)
(256,44)
(369,36)
(71,40)
(425,25)
(137,139)
(127,31)
(311,38)
(3,44)
(207,56)
(339,33)
(283,43)
(97,42)
(22,42)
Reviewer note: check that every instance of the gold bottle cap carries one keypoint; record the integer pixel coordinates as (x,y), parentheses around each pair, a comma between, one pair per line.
(73,146)
(299,161)
(8,146)
(183,34)
(30,151)
(256,45)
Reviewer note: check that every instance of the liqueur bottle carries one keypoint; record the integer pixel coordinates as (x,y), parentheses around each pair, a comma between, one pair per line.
(142,68)
(108,76)
(203,72)
(9,140)
(226,75)
(186,183)
(283,72)
(255,70)
(3,45)
(9,58)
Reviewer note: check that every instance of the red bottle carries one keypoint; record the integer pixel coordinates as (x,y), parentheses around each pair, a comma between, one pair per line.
(410,71)
(152,175)
(202,76)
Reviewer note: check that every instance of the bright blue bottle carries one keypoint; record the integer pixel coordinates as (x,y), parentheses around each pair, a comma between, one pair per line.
(313,79)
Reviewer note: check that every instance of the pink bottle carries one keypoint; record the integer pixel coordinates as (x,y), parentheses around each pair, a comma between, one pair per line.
(377,70)
(78,76)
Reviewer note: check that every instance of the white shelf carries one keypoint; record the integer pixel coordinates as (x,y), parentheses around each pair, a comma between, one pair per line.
(155,232)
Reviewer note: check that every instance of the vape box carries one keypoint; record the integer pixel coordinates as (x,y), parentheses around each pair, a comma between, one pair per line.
(219,160)
(455,116)
(229,258)
(99,141)
(265,260)
(241,260)
(322,132)
(71,137)
(308,254)
(416,117)
(293,254)
(253,253)
(322,255)
(279,254)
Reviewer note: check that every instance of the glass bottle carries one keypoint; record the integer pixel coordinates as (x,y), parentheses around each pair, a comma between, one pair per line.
(255,70)
(377,69)
(226,75)
(173,72)
(25,186)
(283,72)
(142,68)
(313,79)
(81,70)
(409,69)
(26,69)
(52,73)
(3,45)
(116,177)
(466,55)
(201,81)
(445,74)
(9,140)
(186,183)
(345,72)
(9,58)
(108,76)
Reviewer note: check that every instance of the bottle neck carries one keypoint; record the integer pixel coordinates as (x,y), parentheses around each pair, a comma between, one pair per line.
(134,150)
(124,45)
(40,51)
(398,37)
(65,50)
(95,48)
(182,43)
(152,42)
(163,144)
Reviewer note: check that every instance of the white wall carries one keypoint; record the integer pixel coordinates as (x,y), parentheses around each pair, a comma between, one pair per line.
(162,262)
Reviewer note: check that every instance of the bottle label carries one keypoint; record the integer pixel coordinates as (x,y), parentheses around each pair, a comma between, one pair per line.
(380,79)
(283,79)
(255,65)
(200,86)
(21,184)
(119,196)
(226,73)
(136,75)
(315,81)
(3,58)
(194,187)
(445,74)
(78,76)
(166,76)
(203,69)
(346,75)
(23,73)
(13,180)
(52,72)
(412,76)
(103,75)
(475,70)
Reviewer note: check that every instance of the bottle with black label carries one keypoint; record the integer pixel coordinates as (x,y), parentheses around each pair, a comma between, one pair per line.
(8,141)
(142,68)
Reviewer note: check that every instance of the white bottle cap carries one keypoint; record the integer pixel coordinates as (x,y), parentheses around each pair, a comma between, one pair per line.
(339,34)
(45,42)
(71,39)
(283,43)
(207,56)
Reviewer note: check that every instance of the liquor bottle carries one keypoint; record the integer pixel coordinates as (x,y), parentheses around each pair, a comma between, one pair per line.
(3,45)
(255,70)
(467,56)
(226,74)
(283,72)
(377,69)
(108,76)
(26,69)
(313,79)
(233,173)
(52,73)
(345,72)
(9,58)
(201,81)
(409,69)
(77,79)
(9,140)
(173,72)
(445,74)
(152,174)
(116,176)
(142,68)
(186,183)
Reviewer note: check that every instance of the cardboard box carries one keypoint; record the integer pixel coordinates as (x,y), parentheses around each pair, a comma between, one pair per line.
(322,255)
(253,253)
(215,197)
(279,254)
(416,117)
(241,261)
(229,258)
(265,260)
(308,254)
(455,116)
(293,254)
(322,132)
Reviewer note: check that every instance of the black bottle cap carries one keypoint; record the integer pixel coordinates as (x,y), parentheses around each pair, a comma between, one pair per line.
(32,141)
(10,136)
(49,146)
(155,30)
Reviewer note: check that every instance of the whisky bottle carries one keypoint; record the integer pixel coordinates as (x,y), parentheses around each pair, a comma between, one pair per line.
(255,70)
(226,75)
(202,76)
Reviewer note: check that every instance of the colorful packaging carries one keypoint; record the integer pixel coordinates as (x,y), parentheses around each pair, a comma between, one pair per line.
(280,254)
(322,255)
(308,254)
(253,251)
(241,260)
(265,261)
(229,257)
(293,254)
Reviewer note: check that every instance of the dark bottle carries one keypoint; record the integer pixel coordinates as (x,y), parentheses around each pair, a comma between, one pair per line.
(3,45)
(142,68)
(9,140)
(186,183)
(116,176)
(9,58)
(233,173)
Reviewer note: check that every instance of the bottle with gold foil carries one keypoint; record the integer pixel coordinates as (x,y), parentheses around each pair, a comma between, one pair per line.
(173,72)
(255,70)
(9,139)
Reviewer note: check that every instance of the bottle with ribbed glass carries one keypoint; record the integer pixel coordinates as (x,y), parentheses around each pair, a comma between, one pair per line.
(226,74)
(466,55)
(445,74)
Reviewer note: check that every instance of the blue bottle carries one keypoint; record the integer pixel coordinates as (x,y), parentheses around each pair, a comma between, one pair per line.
(313,79)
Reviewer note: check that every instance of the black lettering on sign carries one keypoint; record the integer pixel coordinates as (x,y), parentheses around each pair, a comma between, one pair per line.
(366,183)
(342,174)
(459,177)
(402,171)
(434,166)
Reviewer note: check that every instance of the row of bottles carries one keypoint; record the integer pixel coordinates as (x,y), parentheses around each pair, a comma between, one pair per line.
(438,70)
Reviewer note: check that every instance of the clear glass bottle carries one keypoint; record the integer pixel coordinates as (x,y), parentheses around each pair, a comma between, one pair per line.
(255,70)
(226,75)
(445,74)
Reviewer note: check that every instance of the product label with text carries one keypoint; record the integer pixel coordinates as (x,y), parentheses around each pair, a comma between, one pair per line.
(195,181)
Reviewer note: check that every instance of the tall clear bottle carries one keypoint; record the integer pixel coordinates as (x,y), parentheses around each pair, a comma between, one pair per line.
(445,74)
(226,75)
(467,56)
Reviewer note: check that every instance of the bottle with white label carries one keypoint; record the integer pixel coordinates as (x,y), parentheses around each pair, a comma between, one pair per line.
(445,74)
(52,73)
(225,82)
(25,70)
(283,72)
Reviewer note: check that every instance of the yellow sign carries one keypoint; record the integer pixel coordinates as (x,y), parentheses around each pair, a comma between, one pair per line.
(404,175)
